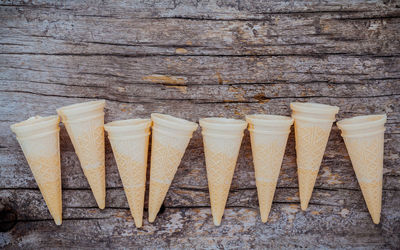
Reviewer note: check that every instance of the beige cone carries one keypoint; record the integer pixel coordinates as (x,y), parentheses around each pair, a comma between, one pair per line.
(39,140)
(364,138)
(170,137)
(268,134)
(312,123)
(85,126)
(130,140)
(222,139)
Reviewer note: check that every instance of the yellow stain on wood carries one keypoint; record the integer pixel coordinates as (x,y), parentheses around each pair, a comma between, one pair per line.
(241,110)
(330,177)
(182,89)
(123,107)
(273,217)
(290,211)
(261,98)
(220,81)
(181,51)
(189,43)
(121,89)
(126,216)
(239,93)
(164,79)
(325,27)
(315,213)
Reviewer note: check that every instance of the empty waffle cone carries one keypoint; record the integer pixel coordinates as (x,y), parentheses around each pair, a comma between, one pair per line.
(222,139)
(312,123)
(170,137)
(130,140)
(85,126)
(268,134)
(39,140)
(364,138)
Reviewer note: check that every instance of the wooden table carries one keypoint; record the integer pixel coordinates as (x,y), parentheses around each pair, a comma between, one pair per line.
(196,59)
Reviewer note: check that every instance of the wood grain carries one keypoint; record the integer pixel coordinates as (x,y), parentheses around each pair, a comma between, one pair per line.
(196,59)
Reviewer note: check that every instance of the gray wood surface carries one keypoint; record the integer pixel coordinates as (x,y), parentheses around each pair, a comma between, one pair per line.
(196,59)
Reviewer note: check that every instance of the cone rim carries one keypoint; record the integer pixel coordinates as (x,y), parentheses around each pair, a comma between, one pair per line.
(362,121)
(173,122)
(127,125)
(269,120)
(314,108)
(222,123)
(78,108)
(35,123)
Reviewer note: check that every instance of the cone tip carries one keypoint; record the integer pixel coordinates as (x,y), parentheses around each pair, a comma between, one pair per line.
(304,206)
(264,217)
(58,221)
(137,219)
(217,221)
(376,219)
(152,217)
(138,223)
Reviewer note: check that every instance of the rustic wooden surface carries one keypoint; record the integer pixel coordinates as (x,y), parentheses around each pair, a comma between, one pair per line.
(195,59)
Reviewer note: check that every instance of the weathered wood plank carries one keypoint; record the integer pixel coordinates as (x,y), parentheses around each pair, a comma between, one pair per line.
(289,228)
(29,204)
(204,10)
(194,28)
(54,32)
(92,71)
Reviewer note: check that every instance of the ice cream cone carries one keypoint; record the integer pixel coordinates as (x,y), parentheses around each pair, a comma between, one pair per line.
(222,139)
(39,140)
(312,123)
(364,138)
(85,126)
(170,137)
(130,140)
(268,135)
